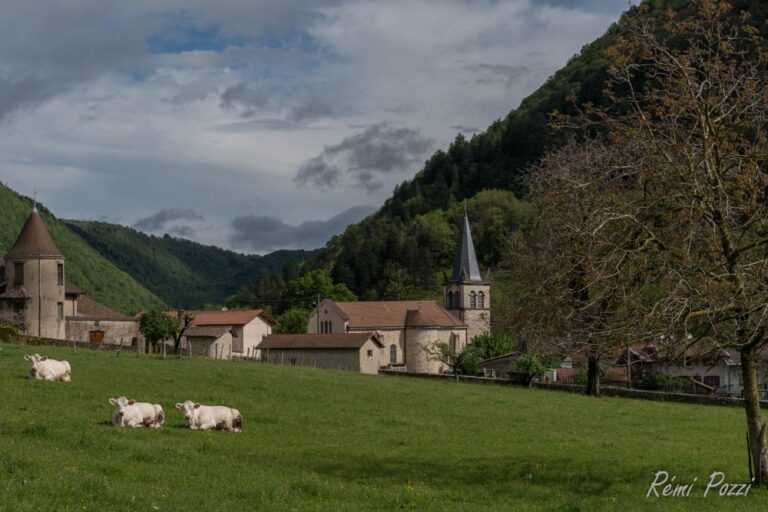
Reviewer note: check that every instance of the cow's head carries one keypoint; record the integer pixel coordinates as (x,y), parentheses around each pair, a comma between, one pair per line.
(34,360)
(189,408)
(121,403)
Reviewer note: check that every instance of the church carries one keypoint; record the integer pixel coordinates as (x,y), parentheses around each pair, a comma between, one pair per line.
(35,293)
(406,328)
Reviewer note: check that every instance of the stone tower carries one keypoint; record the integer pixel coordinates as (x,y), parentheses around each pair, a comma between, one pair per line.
(34,269)
(467,296)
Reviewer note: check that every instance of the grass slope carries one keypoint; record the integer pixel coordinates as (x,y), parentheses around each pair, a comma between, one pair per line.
(183,273)
(88,269)
(317,439)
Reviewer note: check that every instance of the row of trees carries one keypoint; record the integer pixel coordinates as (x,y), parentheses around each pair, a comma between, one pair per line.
(651,222)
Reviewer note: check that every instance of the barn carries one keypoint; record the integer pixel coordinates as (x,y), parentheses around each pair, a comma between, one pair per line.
(358,352)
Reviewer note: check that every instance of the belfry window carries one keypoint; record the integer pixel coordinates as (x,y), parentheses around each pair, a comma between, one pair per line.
(473,300)
(481,300)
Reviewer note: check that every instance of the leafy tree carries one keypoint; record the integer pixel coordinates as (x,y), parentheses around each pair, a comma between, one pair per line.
(156,326)
(532,365)
(293,321)
(463,362)
(492,345)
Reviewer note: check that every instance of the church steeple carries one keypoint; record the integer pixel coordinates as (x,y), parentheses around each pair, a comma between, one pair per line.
(465,267)
(467,296)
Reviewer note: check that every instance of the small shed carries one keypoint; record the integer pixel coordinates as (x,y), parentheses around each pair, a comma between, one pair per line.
(211,340)
(359,351)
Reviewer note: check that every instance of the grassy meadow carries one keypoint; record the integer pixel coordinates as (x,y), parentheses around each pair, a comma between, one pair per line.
(323,440)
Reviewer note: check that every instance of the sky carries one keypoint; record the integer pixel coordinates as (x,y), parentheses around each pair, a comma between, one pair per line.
(257,125)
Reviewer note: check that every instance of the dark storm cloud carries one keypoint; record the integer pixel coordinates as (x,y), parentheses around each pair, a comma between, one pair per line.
(158,221)
(266,233)
(379,149)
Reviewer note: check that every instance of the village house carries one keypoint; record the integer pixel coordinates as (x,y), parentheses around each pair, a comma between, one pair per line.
(34,288)
(227,334)
(357,352)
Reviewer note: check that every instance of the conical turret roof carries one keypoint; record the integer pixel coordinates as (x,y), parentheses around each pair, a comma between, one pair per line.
(465,268)
(34,241)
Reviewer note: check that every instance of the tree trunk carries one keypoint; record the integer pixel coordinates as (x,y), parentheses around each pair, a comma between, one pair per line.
(593,376)
(755,423)
(176,345)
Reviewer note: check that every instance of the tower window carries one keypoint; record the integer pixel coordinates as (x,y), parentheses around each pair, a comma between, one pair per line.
(60,311)
(481,300)
(456,300)
(449,300)
(473,300)
(60,274)
(18,273)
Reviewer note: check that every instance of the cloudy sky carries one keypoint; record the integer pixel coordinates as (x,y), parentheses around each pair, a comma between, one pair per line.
(259,124)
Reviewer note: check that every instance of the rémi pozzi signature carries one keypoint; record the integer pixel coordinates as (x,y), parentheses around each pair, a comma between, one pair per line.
(666,486)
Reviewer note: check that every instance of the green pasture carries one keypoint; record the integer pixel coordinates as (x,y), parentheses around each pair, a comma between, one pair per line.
(324,440)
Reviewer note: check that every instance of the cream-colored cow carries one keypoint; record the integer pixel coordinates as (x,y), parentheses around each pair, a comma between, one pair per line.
(208,417)
(42,368)
(130,413)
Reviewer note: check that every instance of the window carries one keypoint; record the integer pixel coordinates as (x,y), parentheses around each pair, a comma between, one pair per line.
(473,300)
(370,354)
(393,354)
(60,311)
(60,274)
(481,300)
(456,300)
(712,380)
(18,273)
(449,300)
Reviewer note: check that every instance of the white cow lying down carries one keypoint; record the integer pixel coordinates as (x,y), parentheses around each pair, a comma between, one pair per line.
(130,413)
(207,417)
(43,368)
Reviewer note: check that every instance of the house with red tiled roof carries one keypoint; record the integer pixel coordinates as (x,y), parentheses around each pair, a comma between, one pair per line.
(227,334)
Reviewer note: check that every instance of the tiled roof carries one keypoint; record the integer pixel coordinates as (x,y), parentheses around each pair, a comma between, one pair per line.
(209,331)
(235,317)
(298,341)
(16,294)
(465,267)
(71,288)
(89,309)
(382,314)
(34,241)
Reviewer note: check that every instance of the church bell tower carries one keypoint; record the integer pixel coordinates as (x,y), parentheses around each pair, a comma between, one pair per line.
(467,296)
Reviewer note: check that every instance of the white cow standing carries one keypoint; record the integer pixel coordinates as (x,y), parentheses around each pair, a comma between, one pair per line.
(208,417)
(43,368)
(130,413)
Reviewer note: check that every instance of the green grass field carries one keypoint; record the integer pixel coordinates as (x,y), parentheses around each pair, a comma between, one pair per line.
(323,440)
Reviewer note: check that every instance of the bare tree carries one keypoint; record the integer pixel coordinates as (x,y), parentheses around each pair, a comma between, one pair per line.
(582,277)
(690,108)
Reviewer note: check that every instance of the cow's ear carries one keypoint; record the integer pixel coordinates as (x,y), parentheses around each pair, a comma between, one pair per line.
(112,401)
(131,402)
(179,406)
(197,406)
(27,358)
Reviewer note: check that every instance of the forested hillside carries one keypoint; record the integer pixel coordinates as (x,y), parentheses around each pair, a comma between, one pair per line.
(88,269)
(183,273)
(401,247)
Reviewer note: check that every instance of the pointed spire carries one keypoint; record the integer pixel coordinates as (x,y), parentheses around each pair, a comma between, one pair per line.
(34,241)
(465,267)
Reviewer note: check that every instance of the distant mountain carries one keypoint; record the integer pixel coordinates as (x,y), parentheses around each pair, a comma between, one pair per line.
(182,273)
(86,267)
